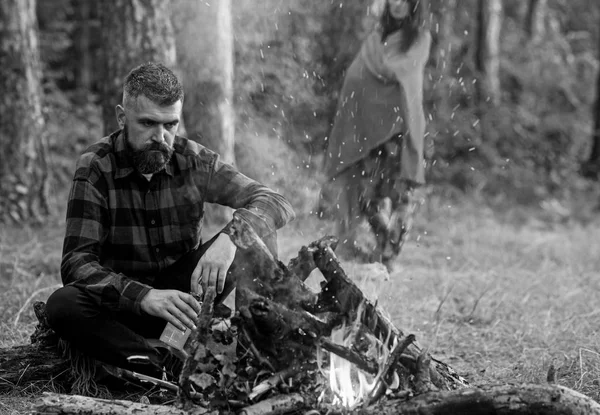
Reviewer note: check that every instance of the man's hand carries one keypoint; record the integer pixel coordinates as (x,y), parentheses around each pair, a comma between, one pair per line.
(176,307)
(212,268)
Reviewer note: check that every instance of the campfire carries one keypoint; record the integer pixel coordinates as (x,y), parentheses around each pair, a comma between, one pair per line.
(290,349)
(333,349)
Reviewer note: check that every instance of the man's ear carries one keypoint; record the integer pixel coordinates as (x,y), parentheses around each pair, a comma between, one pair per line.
(120,112)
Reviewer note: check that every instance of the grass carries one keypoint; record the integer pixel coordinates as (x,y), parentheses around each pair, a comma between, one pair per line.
(498,298)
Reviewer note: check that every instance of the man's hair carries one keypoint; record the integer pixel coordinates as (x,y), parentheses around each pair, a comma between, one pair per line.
(154,81)
(410,26)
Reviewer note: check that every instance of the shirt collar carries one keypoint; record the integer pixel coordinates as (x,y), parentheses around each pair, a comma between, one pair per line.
(124,166)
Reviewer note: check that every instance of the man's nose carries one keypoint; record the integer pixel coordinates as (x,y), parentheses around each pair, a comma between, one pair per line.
(159,134)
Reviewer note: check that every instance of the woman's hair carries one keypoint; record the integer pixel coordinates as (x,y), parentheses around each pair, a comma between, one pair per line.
(411,25)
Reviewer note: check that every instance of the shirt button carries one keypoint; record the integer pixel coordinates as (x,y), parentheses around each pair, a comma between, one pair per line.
(157,249)
(153,222)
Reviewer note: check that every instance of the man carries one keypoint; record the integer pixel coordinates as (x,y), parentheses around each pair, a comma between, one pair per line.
(132,250)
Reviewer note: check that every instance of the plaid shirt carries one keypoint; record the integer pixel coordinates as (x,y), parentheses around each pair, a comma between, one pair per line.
(123,229)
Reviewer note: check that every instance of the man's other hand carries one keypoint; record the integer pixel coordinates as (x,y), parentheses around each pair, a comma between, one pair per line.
(176,307)
(212,268)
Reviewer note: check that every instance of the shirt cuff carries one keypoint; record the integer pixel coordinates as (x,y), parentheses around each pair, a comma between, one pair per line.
(132,296)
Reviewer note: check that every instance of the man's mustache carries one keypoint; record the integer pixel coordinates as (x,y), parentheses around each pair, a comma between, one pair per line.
(158,147)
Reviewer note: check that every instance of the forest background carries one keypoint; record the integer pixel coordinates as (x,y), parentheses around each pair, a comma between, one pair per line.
(499,275)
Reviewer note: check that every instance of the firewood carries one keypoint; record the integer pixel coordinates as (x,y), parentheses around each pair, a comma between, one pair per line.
(349,298)
(53,403)
(493,399)
(280,404)
(363,363)
(380,381)
(262,273)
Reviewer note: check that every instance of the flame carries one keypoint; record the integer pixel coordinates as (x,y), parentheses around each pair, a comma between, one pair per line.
(349,385)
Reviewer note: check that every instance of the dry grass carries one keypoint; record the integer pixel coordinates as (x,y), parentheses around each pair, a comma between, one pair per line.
(499,302)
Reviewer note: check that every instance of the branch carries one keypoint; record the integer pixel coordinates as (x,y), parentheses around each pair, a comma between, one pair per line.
(53,403)
(494,399)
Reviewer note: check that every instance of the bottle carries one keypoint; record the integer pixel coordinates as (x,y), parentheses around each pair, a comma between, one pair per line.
(174,337)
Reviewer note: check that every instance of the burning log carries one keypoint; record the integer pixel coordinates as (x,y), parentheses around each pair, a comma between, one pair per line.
(350,298)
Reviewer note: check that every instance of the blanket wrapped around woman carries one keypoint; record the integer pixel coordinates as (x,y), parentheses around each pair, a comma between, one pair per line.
(375,149)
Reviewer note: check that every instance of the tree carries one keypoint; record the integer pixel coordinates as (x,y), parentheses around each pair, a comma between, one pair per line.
(591,168)
(204,38)
(82,45)
(487,53)
(534,19)
(444,14)
(133,32)
(23,149)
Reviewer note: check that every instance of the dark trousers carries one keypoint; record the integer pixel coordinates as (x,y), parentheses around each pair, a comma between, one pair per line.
(112,337)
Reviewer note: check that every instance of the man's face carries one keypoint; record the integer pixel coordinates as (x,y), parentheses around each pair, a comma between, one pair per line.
(149,132)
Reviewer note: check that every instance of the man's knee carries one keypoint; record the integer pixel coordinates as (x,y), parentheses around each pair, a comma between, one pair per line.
(64,307)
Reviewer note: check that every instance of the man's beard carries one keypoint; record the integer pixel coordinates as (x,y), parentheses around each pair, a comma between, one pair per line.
(152,158)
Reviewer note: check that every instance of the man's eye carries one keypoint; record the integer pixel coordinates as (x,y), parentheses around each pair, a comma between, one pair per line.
(170,125)
(147,123)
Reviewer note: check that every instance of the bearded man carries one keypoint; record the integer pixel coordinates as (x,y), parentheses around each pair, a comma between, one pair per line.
(133,254)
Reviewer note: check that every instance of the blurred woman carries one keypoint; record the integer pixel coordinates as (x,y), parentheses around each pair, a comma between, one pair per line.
(375,153)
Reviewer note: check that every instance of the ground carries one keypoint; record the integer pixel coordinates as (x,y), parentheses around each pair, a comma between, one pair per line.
(502,296)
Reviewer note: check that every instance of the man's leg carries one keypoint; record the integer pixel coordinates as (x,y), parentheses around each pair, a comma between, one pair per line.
(98,333)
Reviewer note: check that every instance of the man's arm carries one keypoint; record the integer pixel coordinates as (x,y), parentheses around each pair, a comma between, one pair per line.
(265,209)
(86,230)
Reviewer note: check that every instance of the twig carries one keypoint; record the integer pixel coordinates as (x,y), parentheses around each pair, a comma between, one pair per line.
(272,382)
(365,364)
(423,381)
(198,341)
(18,316)
(379,384)
(257,354)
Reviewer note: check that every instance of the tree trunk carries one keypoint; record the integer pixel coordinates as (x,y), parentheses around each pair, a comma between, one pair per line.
(82,48)
(204,38)
(591,168)
(23,148)
(133,32)
(534,19)
(487,55)
(441,53)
